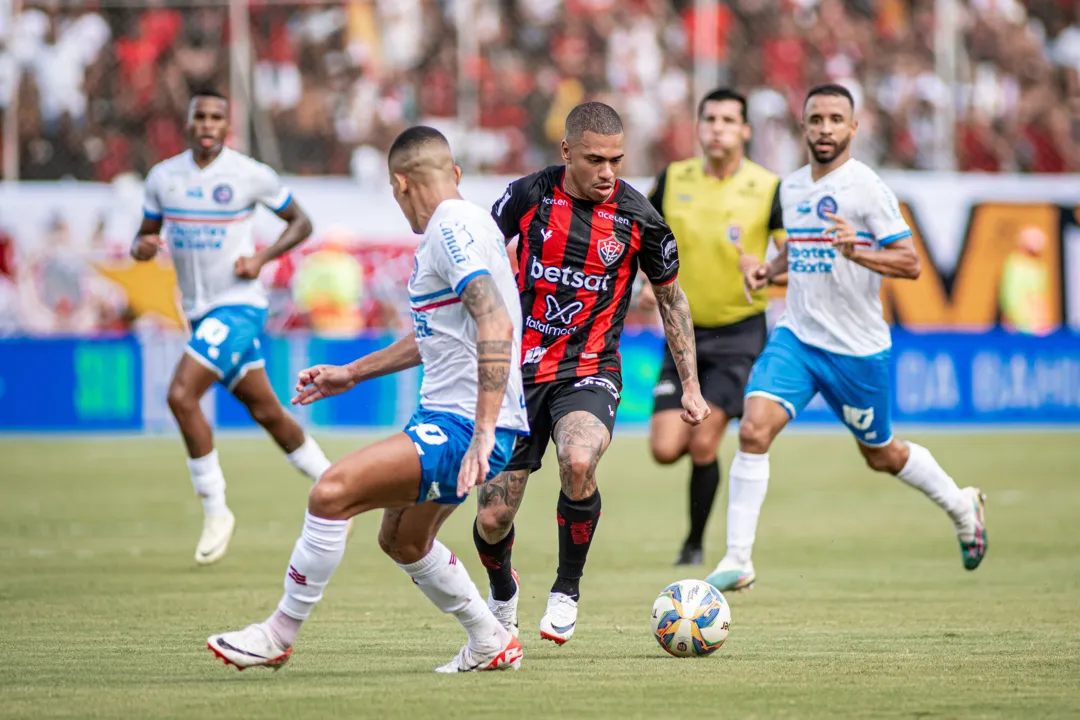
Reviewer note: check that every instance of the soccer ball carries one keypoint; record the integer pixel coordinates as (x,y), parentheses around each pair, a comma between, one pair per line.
(691,618)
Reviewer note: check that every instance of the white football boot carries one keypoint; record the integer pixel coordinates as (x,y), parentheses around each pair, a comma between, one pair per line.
(216,533)
(469,660)
(254,646)
(559,619)
(505,611)
(732,575)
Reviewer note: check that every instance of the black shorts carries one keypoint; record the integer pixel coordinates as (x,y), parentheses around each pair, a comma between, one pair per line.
(725,356)
(548,403)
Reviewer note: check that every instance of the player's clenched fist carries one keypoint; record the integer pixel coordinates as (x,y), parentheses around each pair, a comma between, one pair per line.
(695,409)
(247,268)
(146,247)
(756,276)
(322,381)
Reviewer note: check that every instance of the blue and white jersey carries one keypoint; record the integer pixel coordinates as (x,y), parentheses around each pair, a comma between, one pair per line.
(832,303)
(208,217)
(460,243)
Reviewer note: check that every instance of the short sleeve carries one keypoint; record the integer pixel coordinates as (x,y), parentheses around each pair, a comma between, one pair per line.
(883,217)
(776,217)
(152,195)
(269,190)
(656,195)
(512,206)
(659,254)
(459,257)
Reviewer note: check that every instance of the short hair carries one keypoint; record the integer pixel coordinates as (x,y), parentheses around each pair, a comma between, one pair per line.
(830,89)
(595,117)
(210,93)
(414,138)
(720,94)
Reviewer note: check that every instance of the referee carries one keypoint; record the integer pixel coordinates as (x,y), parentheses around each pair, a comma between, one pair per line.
(722,209)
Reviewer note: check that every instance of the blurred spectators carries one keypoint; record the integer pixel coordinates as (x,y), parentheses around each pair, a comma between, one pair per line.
(103,89)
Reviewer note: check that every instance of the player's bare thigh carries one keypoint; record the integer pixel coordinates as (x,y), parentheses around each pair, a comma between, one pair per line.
(580,441)
(763,419)
(406,534)
(383,475)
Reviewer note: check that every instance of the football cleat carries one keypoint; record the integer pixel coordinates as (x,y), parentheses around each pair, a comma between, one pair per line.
(505,611)
(559,619)
(254,646)
(469,660)
(732,576)
(690,555)
(972,536)
(216,533)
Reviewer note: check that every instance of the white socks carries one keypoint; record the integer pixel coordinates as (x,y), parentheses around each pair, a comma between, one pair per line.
(309,459)
(446,583)
(748,482)
(315,557)
(209,483)
(923,473)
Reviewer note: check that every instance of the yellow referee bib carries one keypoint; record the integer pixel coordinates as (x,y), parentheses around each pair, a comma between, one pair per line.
(711,219)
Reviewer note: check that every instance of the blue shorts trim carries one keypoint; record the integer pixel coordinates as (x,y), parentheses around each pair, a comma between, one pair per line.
(441,440)
(226,342)
(858,389)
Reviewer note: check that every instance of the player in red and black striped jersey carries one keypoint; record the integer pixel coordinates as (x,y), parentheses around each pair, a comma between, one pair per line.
(583,234)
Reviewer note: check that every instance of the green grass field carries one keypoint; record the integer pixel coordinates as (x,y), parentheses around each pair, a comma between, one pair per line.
(862,607)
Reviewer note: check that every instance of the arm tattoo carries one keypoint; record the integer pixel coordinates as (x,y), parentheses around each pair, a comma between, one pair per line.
(484,304)
(580,431)
(678,328)
(481,298)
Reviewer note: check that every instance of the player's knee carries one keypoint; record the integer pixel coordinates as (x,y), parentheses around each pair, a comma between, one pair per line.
(703,448)
(883,459)
(754,436)
(266,413)
(665,452)
(494,523)
(331,497)
(181,400)
(401,550)
(577,465)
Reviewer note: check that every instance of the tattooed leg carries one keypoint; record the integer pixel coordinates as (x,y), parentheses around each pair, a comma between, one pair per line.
(580,440)
(498,501)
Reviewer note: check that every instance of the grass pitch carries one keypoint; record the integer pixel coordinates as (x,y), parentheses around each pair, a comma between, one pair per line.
(862,607)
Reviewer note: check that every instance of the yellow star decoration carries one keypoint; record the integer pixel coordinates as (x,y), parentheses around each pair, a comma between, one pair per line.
(150,287)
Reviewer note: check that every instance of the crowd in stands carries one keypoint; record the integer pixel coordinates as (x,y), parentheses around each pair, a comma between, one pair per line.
(102,89)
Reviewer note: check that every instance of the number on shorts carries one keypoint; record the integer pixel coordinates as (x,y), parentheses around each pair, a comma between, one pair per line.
(430,434)
(212,331)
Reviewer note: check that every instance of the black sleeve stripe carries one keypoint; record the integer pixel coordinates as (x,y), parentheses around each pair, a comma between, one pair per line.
(776,215)
(656,195)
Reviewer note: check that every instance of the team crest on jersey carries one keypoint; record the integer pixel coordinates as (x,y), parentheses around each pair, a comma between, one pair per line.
(734,233)
(223,194)
(611,249)
(825,205)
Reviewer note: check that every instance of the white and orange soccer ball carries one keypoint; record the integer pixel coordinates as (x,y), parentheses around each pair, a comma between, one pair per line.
(691,618)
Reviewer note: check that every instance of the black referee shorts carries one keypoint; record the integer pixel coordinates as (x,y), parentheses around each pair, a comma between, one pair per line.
(725,356)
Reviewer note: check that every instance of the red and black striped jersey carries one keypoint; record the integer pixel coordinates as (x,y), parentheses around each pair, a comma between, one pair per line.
(577,261)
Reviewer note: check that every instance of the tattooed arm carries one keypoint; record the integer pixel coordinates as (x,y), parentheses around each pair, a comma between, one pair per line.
(494,346)
(679,330)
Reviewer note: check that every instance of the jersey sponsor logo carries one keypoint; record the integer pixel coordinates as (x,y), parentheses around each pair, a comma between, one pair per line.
(858,418)
(542,327)
(670,250)
(195,192)
(826,204)
(558,202)
(598,382)
(564,314)
(450,240)
(810,259)
(421,329)
(734,233)
(223,194)
(611,249)
(533,356)
(568,276)
(605,215)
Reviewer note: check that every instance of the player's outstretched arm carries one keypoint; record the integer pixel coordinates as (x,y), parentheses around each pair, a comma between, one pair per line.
(323,381)
(148,241)
(297,230)
(494,347)
(679,331)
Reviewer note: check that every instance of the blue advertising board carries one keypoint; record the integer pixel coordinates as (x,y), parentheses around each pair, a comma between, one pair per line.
(105,384)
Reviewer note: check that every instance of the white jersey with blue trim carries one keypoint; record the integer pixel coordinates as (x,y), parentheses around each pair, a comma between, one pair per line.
(460,243)
(833,303)
(208,216)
